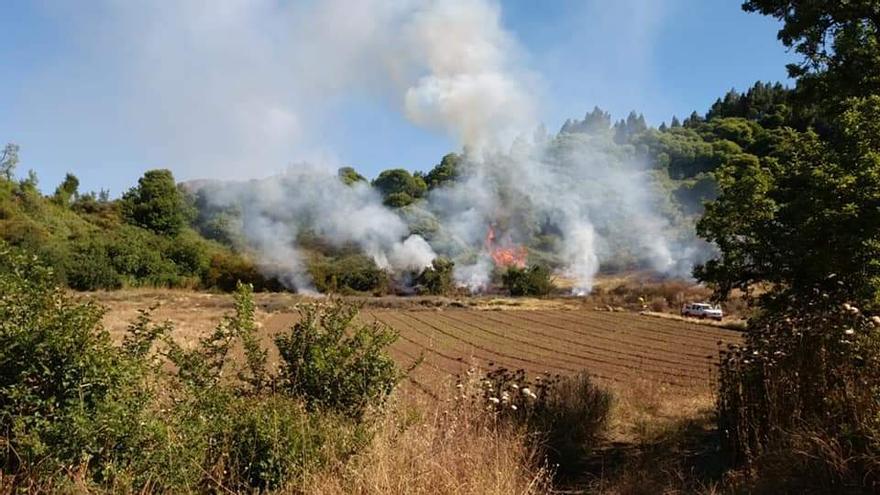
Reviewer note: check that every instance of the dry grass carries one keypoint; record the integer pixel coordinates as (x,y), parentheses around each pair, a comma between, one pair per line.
(730,324)
(661,442)
(438,446)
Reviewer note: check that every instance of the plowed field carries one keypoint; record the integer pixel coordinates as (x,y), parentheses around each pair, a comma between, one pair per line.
(622,348)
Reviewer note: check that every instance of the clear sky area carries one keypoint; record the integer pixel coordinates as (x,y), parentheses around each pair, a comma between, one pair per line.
(240,89)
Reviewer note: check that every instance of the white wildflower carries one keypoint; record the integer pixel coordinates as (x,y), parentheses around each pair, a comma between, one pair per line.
(494,400)
(849,331)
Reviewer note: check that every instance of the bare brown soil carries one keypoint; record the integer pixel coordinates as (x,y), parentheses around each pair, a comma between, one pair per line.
(552,335)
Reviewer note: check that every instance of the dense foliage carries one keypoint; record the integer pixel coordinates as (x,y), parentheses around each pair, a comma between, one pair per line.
(82,409)
(143,239)
(535,280)
(336,363)
(797,228)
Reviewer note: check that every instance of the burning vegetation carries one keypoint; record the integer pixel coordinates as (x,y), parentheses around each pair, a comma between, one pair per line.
(505,255)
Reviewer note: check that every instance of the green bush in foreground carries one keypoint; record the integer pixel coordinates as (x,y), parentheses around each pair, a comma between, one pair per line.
(82,408)
(69,398)
(335,362)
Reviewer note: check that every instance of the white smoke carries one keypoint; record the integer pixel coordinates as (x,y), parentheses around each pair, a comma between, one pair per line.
(471,88)
(237,88)
(312,199)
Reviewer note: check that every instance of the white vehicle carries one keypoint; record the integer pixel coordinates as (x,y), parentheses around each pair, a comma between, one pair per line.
(702,310)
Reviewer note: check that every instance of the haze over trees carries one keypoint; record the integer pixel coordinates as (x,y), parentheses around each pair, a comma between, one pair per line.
(784,182)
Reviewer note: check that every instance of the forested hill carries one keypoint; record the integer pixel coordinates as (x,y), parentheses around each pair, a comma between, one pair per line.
(167,235)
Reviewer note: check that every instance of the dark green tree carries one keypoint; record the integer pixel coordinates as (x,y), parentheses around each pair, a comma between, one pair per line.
(444,172)
(156,204)
(596,122)
(67,191)
(812,221)
(399,187)
(840,45)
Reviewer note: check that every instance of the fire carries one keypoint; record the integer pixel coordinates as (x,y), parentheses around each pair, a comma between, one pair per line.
(505,256)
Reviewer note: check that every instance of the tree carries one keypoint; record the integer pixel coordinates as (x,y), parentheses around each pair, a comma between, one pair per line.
(596,122)
(399,187)
(675,122)
(436,279)
(29,185)
(693,120)
(812,221)
(535,280)
(444,172)
(840,44)
(350,176)
(155,204)
(66,191)
(9,160)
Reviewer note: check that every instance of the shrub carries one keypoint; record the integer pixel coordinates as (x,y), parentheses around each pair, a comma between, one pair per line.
(437,278)
(90,267)
(82,411)
(225,270)
(566,414)
(334,362)
(348,274)
(799,402)
(535,280)
(274,441)
(76,400)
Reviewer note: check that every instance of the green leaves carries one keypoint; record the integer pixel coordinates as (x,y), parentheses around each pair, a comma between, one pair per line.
(803,212)
(332,361)
(156,204)
(535,280)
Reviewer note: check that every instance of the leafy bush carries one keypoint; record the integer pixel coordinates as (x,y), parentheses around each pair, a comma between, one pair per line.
(225,270)
(348,274)
(535,280)
(332,361)
(436,279)
(82,410)
(274,441)
(76,400)
(90,267)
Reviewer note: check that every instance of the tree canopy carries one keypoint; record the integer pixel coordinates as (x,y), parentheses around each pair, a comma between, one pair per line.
(155,203)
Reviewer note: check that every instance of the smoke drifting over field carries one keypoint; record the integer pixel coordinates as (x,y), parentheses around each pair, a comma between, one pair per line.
(267,71)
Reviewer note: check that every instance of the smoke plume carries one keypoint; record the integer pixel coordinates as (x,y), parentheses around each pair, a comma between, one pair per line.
(235,88)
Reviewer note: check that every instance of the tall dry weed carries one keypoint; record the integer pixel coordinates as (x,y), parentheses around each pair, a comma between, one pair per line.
(440,446)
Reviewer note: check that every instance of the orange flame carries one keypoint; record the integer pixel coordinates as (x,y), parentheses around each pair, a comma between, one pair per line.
(505,256)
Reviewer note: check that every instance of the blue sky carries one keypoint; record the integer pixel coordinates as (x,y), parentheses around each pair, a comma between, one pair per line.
(79,91)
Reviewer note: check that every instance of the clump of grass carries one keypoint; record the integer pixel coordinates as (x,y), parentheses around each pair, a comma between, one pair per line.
(445,445)
(566,416)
